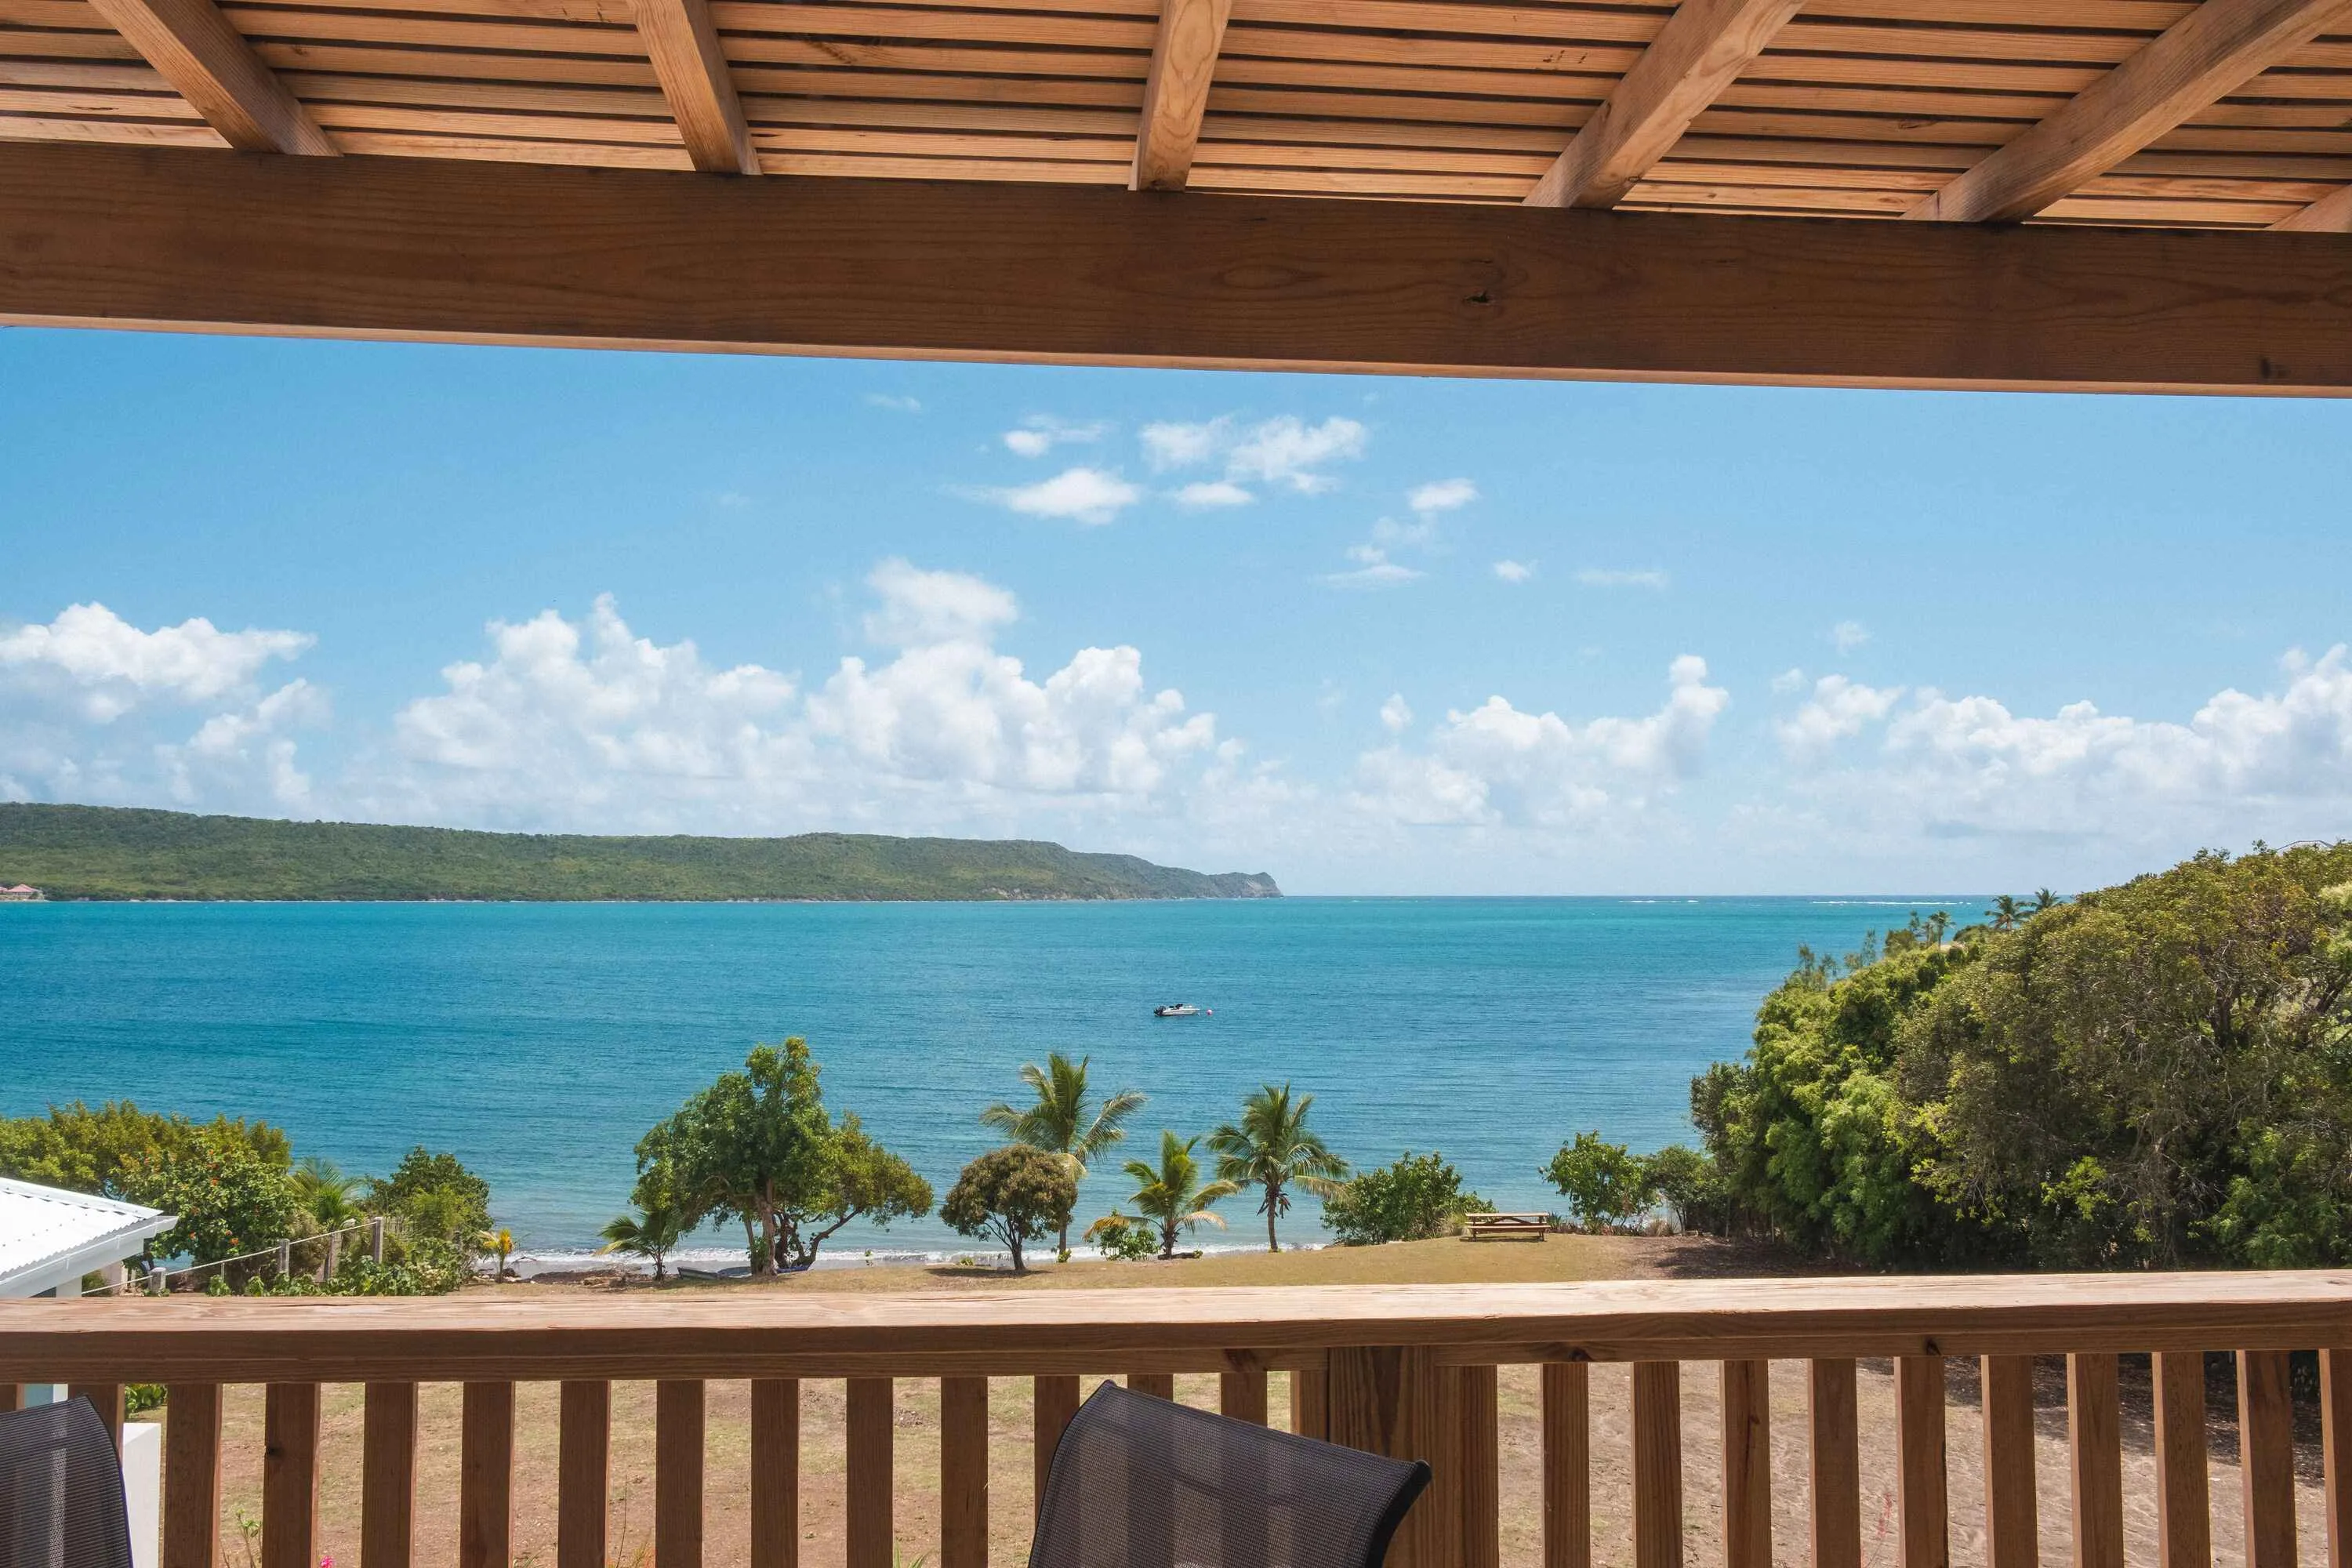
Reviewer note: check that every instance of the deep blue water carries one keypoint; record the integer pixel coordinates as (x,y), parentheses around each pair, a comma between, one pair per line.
(539,1040)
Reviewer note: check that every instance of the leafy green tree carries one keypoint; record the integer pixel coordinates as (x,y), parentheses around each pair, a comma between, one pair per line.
(229,1198)
(330,1198)
(2152,1073)
(435,1196)
(1015,1195)
(758,1145)
(1810,1133)
(1064,1119)
(1605,1185)
(1687,1181)
(1271,1149)
(90,1151)
(1416,1197)
(1172,1195)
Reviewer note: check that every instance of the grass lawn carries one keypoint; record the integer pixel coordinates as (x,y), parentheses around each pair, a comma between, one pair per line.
(726,1530)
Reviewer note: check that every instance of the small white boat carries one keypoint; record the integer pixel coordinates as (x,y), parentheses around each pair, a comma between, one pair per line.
(1178,1010)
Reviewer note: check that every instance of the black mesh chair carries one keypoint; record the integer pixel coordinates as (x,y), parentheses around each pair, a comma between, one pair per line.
(60,1489)
(1142,1482)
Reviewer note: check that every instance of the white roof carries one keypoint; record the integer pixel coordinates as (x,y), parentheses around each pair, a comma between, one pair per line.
(50,1237)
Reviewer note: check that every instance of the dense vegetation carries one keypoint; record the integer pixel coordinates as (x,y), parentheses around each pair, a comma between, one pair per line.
(103,852)
(2154,1075)
(237,1193)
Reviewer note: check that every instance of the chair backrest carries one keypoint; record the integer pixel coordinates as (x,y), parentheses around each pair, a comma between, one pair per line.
(1142,1482)
(60,1489)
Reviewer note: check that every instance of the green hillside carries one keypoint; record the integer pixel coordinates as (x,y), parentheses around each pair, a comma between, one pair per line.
(103,852)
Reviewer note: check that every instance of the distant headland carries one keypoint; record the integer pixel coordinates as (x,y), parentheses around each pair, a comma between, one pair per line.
(111,852)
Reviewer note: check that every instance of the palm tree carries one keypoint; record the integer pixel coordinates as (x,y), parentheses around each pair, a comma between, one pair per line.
(1064,1121)
(2043,898)
(330,1198)
(2005,913)
(652,1232)
(1273,1151)
(1173,1195)
(501,1241)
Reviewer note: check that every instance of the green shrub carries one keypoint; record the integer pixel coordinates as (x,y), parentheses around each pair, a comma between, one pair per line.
(1605,1185)
(1416,1197)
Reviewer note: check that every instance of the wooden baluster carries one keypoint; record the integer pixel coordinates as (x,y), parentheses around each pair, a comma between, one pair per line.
(869,1466)
(1399,1402)
(677,1473)
(1310,1403)
(1834,1435)
(963,1472)
(2012,1501)
(2336,1446)
(2094,1439)
(1056,1402)
(775,1473)
(486,1477)
(106,1398)
(12,1397)
(388,1477)
(290,1476)
(192,1476)
(1748,1464)
(1158,1384)
(584,1474)
(1482,1469)
(2266,1457)
(2184,1523)
(1567,1465)
(1658,1464)
(1919,1443)
(1241,1394)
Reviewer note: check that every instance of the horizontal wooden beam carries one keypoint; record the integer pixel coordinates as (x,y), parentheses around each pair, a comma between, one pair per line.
(207,61)
(411,248)
(2207,55)
(683,44)
(1703,45)
(2331,214)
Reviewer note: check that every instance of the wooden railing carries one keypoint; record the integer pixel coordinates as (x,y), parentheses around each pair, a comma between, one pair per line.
(1409,1370)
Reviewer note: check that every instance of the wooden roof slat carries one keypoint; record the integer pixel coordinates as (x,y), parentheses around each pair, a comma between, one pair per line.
(2331,214)
(207,61)
(2204,56)
(683,44)
(1176,93)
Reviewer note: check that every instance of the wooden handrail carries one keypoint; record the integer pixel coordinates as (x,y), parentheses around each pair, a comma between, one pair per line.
(513,1338)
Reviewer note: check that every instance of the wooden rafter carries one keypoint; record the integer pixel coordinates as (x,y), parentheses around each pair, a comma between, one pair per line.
(2328,214)
(1183,59)
(490,252)
(683,44)
(207,61)
(1703,45)
(2201,58)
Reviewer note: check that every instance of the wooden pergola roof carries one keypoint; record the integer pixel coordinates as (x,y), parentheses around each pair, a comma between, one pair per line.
(968,169)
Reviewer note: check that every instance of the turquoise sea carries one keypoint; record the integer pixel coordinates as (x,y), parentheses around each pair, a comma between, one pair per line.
(538,1041)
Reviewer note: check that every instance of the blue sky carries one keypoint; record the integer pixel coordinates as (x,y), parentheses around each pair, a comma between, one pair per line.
(1372,635)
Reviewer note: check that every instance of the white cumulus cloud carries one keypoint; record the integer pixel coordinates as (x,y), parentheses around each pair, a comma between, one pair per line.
(1839,709)
(1441,495)
(1395,716)
(108,667)
(1283,451)
(1373,569)
(1515,571)
(1041,433)
(1089,496)
(1849,635)
(1498,764)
